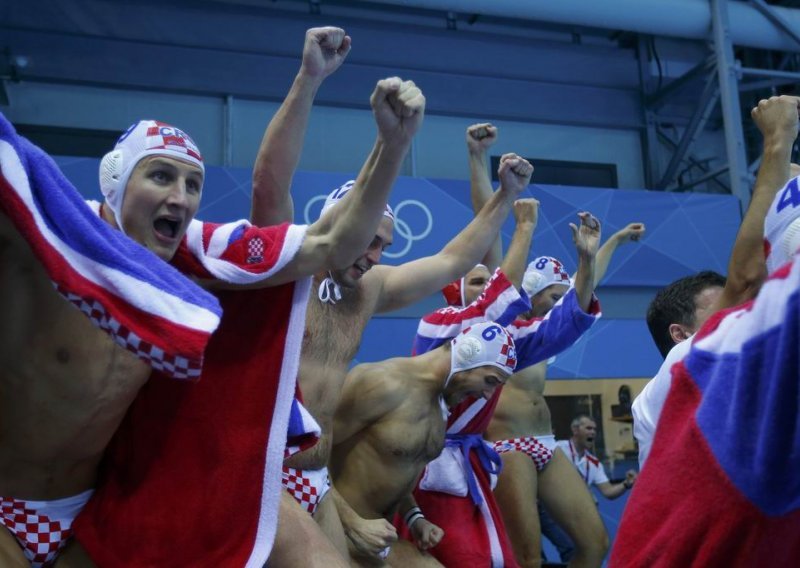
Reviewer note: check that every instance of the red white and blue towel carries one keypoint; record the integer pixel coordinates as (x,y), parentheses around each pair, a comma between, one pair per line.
(474,531)
(721,485)
(500,302)
(147,306)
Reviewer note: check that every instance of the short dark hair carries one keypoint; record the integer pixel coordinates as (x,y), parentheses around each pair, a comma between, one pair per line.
(676,304)
(577,420)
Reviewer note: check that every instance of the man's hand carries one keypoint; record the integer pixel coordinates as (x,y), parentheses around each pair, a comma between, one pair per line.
(632,232)
(526,211)
(630,478)
(324,51)
(399,107)
(587,237)
(371,536)
(426,534)
(514,173)
(480,137)
(777,118)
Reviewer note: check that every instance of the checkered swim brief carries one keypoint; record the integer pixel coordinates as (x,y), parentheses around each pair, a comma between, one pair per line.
(41,528)
(308,487)
(537,451)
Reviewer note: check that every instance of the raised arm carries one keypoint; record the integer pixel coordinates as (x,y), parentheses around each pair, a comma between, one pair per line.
(587,241)
(777,119)
(480,137)
(323,52)
(410,282)
(526,214)
(342,234)
(631,233)
(616,490)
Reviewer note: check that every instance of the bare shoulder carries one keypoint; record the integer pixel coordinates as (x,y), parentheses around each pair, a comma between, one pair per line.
(376,380)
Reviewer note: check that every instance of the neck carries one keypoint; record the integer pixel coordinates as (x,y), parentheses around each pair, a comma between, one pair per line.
(107,215)
(580,449)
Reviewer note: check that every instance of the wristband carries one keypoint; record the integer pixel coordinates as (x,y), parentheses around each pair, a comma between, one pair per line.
(414,518)
(410,513)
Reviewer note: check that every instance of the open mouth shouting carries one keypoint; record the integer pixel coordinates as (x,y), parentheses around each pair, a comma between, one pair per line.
(167,227)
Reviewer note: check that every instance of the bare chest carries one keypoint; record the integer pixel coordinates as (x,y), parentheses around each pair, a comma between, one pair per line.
(413,433)
(333,331)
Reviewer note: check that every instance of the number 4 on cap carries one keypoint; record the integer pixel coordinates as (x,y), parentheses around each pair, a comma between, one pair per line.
(790,196)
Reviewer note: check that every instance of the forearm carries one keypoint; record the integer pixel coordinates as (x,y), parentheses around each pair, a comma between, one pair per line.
(603,258)
(614,491)
(747,268)
(346,513)
(469,246)
(279,154)
(360,211)
(584,281)
(480,193)
(514,263)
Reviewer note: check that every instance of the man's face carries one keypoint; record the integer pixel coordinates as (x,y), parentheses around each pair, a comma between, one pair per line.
(704,302)
(474,283)
(350,276)
(585,432)
(481,382)
(545,299)
(161,198)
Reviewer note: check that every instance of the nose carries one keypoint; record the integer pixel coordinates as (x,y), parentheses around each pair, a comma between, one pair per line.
(178,194)
(374,255)
(488,392)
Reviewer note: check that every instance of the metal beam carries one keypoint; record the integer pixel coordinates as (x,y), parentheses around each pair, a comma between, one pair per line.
(690,158)
(766,84)
(689,19)
(708,100)
(772,73)
(660,97)
(776,19)
(648,132)
(702,179)
(731,108)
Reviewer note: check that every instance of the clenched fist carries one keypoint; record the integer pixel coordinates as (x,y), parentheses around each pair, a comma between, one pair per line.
(514,173)
(480,137)
(777,118)
(324,51)
(399,107)
(526,211)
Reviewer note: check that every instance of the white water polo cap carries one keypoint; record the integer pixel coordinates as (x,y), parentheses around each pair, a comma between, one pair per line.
(782,226)
(543,272)
(480,345)
(145,138)
(338,194)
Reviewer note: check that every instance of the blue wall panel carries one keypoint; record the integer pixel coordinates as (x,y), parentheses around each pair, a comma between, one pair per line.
(686,233)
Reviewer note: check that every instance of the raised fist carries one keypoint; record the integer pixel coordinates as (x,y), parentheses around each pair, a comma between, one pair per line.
(777,118)
(480,137)
(426,534)
(632,232)
(587,236)
(514,173)
(399,107)
(526,211)
(324,51)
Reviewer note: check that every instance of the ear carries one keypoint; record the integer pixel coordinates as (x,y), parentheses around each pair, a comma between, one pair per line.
(678,333)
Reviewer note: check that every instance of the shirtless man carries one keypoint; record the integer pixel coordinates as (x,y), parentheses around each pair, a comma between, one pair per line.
(523,413)
(154,199)
(391,422)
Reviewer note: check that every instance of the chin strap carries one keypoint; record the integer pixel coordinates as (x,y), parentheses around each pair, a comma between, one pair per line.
(329,291)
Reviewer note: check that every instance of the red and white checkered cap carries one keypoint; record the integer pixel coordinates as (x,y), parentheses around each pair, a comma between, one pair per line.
(782,226)
(144,138)
(480,345)
(543,272)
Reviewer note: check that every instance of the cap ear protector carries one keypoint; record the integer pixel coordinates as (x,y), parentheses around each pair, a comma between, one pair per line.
(467,351)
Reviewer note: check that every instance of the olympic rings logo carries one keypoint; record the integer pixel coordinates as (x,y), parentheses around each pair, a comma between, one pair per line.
(401,227)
